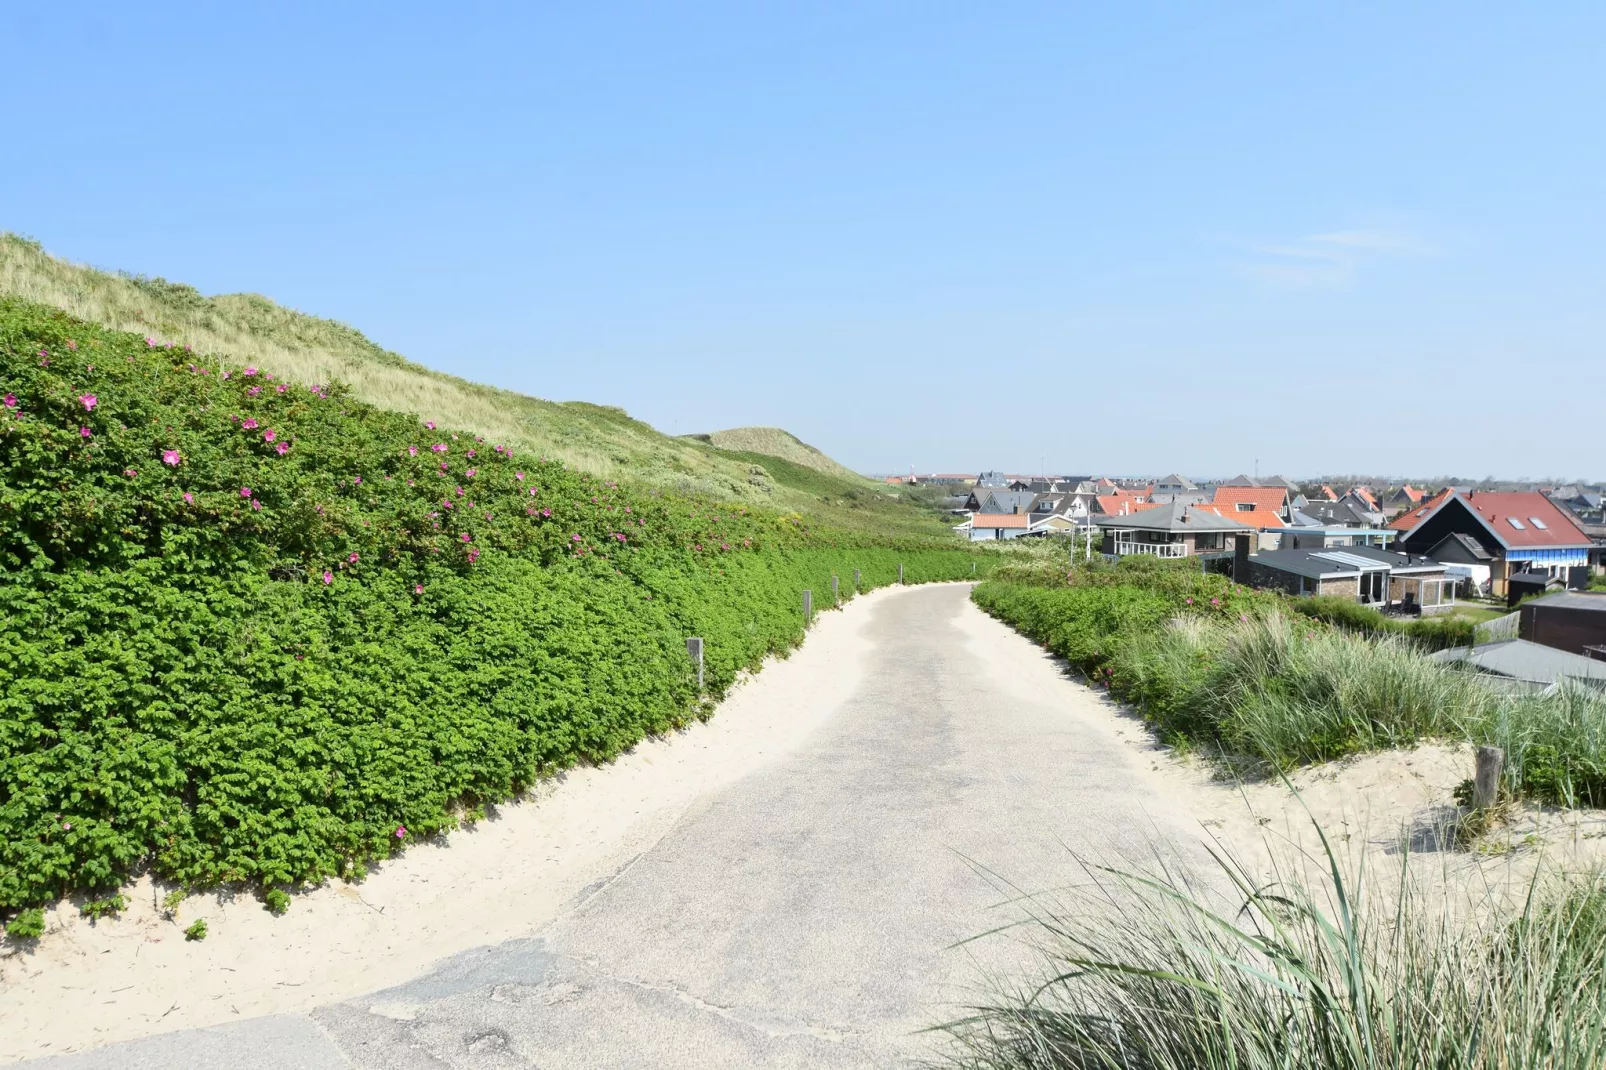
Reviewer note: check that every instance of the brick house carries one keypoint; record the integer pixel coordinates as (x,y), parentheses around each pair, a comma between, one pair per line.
(1362,574)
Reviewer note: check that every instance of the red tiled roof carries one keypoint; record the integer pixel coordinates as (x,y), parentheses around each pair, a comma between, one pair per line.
(1331,495)
(1495,507)
(1118,502)
(1366,496)
(1255,518)
(1412,517)
(1268,501)
(1000,520)
(1411,493)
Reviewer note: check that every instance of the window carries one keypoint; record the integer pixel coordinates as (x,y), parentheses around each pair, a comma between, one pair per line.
(1536,522)
(1514,522)
(1246,507)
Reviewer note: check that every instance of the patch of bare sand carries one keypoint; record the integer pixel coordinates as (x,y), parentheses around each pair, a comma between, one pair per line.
(135,975)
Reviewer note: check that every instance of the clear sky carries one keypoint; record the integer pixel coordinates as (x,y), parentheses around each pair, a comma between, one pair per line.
(1124,237)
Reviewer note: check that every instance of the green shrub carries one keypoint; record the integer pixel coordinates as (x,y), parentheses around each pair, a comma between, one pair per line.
(258,633)
(276,900)
(27,925)
(196,930)
(96,909)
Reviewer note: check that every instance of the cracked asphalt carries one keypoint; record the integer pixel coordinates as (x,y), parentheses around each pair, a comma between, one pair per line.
(804,916)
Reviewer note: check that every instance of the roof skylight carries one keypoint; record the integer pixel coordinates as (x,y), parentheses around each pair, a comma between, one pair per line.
(1536,522)
(1514,522)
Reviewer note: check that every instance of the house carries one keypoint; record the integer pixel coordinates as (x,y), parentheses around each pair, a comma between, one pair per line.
(1570,620)
(1525,665)
(1325,524)
(1407,497)
(982,500)
(992,480)
(1520,530)
(1328,493)
(1173,483)
(985,527)
(1117,502)
(1265,509)
(1464,557)
(1173,530)
(1363,574)
(1253,504)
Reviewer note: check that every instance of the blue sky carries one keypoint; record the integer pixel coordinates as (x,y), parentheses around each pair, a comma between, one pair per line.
(1112,238)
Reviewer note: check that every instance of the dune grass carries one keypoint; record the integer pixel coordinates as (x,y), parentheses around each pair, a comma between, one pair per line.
(600,440)
(1234,673)
(1312,970)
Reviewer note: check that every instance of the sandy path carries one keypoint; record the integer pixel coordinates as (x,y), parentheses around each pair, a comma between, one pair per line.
(92,984)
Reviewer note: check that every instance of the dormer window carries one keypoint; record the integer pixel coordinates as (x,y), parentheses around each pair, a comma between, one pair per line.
(1246,507)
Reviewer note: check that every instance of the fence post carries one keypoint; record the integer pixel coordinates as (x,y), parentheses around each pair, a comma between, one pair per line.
(694,647)
(1486,779)
(833,589)
(855,581)
(900,573)
(808,607)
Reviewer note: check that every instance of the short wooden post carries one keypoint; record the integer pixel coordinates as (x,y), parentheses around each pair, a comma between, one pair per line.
(973,568)
(833,590)
(855,581)
(694,647)
(808,607)
(1486,780)
(900,573)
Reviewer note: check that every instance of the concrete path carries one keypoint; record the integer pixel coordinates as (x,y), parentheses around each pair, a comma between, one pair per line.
(803,916)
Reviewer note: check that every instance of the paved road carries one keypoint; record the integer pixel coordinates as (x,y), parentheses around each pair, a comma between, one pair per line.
(801,917)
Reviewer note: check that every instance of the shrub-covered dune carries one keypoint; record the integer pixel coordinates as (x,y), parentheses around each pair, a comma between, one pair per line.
(252,631)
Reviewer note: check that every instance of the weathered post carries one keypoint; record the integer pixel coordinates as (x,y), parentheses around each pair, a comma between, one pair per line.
(694,647)
(833,589)
(973,568)
(900,573)
(808,607)
(1486,778)
(855,581)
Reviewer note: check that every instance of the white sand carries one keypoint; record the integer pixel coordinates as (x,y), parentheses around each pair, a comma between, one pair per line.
(90,984)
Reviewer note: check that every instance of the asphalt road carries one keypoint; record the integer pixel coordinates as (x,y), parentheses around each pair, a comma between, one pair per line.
(804,916)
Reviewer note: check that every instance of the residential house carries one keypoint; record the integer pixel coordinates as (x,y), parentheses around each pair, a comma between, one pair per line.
(1328,493)
(1520,530)
(992,480)
(1407,497)
(983,500)
(1364,574)
(1173,530)
(1322,524)
(984,527)
(1116,502)
(1266,509)
(1173,483)
(1584,508)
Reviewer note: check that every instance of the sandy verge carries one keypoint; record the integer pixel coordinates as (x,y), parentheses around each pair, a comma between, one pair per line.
(1378,810)
(87,984)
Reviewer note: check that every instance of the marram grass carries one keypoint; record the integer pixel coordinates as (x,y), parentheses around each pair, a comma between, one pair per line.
(1311,971)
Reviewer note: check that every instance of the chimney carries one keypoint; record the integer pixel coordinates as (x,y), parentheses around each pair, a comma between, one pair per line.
(1240,557)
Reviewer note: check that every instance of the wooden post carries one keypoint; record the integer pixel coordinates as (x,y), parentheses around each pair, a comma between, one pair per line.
(833,590)
(694,647)
(855,581)
(973,568)
(808,607)
(900,573)
(1486,780)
